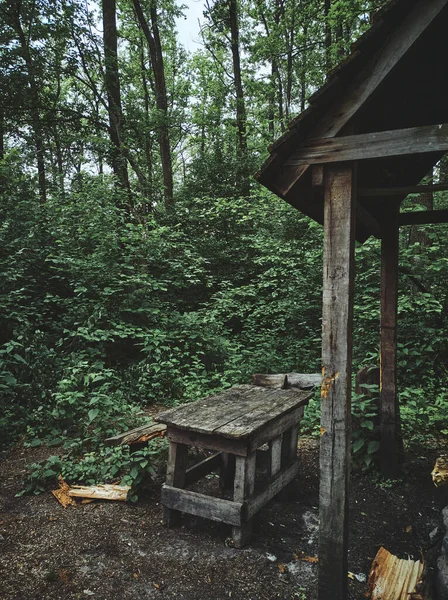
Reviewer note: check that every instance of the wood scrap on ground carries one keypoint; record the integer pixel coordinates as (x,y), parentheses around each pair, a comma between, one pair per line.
(440,472)
(392,578)
(66,495)
(100,492)
(62,495)
(139,435)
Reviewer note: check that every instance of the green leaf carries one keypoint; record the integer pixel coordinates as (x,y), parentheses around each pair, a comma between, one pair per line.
(92,414)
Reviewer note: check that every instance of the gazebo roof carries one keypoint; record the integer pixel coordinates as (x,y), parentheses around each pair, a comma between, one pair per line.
(394,79)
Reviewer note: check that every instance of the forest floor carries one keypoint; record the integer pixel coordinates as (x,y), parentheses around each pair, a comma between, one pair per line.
(116,550)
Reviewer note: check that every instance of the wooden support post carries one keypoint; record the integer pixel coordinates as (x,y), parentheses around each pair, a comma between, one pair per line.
(175,477)
(243,490)
(227,472)
(389,410)
(337,318)
(275,455)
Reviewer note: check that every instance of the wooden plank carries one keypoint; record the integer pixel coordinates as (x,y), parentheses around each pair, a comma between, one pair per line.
(397,142)
(209,507)
(282,479)
(234,413)
(203,468)
(423,217)
(138,435)
(214,410)
(275,454)
(175,476)
(403,190)
(277,404)
(389,410)
(367,81)
(242,491)
(337,320)
(208,441)
(277,426)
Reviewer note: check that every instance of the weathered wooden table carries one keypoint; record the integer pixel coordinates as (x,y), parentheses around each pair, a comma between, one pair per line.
(234,423)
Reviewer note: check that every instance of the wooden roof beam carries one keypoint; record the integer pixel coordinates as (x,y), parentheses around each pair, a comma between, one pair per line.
(402,190)
(423,217)
(365,146)
(370,78)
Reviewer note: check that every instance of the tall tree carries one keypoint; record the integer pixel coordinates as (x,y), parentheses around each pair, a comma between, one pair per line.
(152,36)
(112,83)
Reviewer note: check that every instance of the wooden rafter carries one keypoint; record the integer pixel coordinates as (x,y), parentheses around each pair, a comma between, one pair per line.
(367,81)
(423,217)
(400,191)
(397,142)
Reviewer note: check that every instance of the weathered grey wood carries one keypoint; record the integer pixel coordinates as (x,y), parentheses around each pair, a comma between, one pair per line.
(236,400)
(235,413)
(423,217)
(403,190)
(367,81)
(277,426)
(278,381)
(278,404)
(175,476)
(208,441)
(209,507)
(275,454)
(203,468)
(137,435)
(365,146)
(388,350)
(282,479)
(304,381)
(364,217)
(243,490)
(337,318)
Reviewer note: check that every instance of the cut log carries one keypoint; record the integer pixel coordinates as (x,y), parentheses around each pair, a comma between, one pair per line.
(440,472)
(278,381)
(139,435)
(302,381)
(392,578)
(100,492)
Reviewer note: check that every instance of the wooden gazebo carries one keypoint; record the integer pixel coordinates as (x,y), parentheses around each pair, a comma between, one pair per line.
(369,137)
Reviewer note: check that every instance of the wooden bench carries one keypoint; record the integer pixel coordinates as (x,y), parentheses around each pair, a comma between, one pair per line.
(233,423)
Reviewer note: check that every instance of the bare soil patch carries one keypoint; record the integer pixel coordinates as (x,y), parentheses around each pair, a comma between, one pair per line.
(119,550)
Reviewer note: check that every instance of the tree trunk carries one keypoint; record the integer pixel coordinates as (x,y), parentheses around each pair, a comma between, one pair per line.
(155,51)
(112,83)
(240,105)
(34,93)
(328,36)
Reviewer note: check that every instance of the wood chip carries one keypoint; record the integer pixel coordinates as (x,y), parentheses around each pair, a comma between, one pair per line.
(392,578)
(440,472)
(101,492)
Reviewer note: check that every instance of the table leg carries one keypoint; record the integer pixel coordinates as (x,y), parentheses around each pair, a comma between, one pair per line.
(275,455)
(289,456)
(175,476)
(243,489)
(227,472)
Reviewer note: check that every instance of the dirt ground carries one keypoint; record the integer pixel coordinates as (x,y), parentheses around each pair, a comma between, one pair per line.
(116,550)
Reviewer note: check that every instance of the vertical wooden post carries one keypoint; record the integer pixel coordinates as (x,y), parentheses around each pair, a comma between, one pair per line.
(243,489)
(337,318)
(389,410)
(175,476)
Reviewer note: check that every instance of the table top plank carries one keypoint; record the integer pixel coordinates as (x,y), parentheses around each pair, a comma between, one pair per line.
(235,413)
